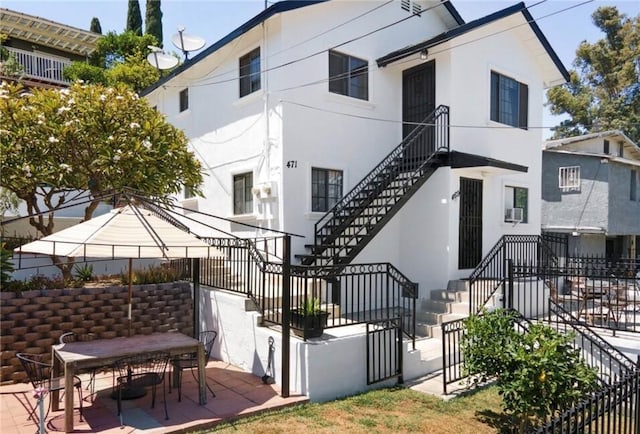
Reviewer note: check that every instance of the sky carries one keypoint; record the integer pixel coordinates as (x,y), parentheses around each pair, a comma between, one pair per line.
(565,23)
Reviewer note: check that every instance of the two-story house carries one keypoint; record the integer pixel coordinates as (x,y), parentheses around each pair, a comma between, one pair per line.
(591,190)
(383,132)
(43,47)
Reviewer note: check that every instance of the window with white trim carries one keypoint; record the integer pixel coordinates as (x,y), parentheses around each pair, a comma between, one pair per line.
(250,72)
(348,75)
(242,195)
(516,204)
(326,189)
(569,178)
(509,101)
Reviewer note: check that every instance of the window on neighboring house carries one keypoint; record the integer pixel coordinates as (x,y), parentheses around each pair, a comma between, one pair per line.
(606,147)
(516,204)
(620,149)
(634,185)
(242,196)
(509,101)
(326,189)
(348,75)
(569,178)
(250,72)
(184,99)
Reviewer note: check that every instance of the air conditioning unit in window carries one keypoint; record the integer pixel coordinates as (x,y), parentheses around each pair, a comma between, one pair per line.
(514,215)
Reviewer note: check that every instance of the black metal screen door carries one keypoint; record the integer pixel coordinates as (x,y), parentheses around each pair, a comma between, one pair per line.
(418,101)
(470,225)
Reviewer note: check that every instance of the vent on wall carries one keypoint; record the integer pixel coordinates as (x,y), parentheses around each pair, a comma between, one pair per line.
(411,6)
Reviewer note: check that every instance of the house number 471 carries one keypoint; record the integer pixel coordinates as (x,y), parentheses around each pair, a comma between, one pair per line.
(292,164)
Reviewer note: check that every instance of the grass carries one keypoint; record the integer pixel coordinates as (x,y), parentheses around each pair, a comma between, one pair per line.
(395,410)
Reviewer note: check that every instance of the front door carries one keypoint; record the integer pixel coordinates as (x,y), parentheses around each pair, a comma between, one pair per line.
(418,102)
(470,225)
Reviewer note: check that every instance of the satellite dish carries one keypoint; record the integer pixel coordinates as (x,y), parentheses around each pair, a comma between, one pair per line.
(160,59)
(187,43)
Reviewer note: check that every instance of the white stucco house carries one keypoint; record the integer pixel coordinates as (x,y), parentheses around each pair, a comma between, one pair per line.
(426,116)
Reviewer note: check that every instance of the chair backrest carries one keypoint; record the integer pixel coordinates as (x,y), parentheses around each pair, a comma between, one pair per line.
(76,337)
(37,369)
(144,363)
(208,337)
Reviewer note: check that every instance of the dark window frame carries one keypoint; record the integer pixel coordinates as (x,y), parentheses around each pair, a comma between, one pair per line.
(184,99)
(606,147)
(242,193)
(509,101)
(250,74)
(520,194)
(348,75)
(325,192)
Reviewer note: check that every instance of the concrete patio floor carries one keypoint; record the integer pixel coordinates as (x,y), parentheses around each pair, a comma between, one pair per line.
(238,394)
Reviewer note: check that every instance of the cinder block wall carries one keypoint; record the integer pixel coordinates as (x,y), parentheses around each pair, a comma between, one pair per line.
(33,321)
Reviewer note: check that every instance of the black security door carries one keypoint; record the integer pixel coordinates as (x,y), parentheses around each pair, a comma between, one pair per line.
(418,101)
(470,226)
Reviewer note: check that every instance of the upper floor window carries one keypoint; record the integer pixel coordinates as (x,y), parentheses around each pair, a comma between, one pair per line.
(516,204)
(184,99)
(250,72)
(348,75)
(620,149)
(242,196)
(326,189)
(509,101)
(569,178)
(606,147)
(634,185)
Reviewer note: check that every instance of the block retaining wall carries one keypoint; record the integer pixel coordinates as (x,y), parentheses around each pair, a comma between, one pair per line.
(33,321)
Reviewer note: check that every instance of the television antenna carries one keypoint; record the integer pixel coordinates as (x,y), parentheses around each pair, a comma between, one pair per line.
(187,43)
(160,59)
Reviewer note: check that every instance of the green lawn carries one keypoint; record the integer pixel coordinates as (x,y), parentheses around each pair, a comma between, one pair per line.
(396,410)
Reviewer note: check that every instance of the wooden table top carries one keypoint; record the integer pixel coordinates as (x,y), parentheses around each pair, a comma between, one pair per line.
(101,352)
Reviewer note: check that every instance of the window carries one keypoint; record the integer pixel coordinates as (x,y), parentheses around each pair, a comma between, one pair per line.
(516,200)
(326,189)
(348,75)
(184,99)
(634,185)
(509,101)
(606,147)
(620,149)
(250,72)
(188,192)
(242,196)
(569,178)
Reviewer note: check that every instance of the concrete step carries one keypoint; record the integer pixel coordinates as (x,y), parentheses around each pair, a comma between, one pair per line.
(443,306)
(451,296)
(432,318)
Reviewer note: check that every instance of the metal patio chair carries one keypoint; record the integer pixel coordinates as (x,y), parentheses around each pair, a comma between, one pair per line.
(190,361)
(39,374)
(139,372)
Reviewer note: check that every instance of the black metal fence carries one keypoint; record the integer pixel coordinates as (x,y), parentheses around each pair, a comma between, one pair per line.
(384,350)
(351,294)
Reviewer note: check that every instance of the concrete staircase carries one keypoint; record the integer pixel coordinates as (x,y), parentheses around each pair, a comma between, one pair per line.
(444,305)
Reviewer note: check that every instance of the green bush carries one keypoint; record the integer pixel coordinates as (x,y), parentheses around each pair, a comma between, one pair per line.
(538,372)
(151,274)
(6,266)
(84,273)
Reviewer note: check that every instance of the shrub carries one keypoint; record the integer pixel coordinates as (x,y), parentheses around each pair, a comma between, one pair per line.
(84,273)
(538,372)
(151,274)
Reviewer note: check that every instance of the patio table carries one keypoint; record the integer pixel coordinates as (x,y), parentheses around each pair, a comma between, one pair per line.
(104,352)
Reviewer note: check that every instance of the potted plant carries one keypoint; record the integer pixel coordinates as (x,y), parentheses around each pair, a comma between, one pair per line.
(309,320)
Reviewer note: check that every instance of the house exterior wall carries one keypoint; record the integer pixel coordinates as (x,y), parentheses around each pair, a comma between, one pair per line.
(588,207)
(624,213)
(294,123)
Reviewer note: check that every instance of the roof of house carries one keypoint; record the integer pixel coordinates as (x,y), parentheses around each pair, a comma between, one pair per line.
(549,144)
(45,32)
(276,8)
(473,25)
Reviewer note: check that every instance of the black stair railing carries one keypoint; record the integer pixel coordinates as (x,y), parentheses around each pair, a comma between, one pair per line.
(406,163)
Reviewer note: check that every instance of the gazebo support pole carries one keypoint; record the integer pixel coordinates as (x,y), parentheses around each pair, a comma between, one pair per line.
(195,277)
(286,301)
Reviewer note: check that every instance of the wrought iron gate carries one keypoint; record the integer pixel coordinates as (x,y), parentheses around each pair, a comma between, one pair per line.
(384,350)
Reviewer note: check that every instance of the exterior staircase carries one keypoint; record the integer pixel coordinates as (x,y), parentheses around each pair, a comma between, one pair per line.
(349,226)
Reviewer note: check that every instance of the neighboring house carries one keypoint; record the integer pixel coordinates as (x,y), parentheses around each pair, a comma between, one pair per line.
(591,190)
(42,47)
(383,132)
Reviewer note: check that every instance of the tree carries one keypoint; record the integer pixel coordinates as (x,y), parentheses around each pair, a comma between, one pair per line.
(95,26)
(604,90)
(91,139)
(153,20)
(117,59)
(134,18)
